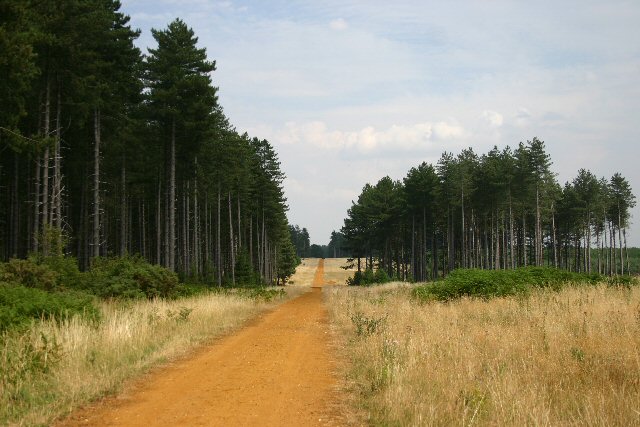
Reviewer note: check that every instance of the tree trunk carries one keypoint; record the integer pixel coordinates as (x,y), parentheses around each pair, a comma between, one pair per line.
(96,184)
(45,168)
(186,245)
(231,245)
(626,251)
(159,224)
(143,231)
(553,231)
(36,206)
(14,221)
(524,239)
(264,247)
(434,254)
(589,242)
(218,244)
(496,265)
(258,245)
(413,248)
(538,233)
(464,233)
(423,249)
(172,199)
(239,233)
(511,240)
(197,246)
(611,250)
(620,240)
(450,246)
(84,240)
(123,207)
(57,173)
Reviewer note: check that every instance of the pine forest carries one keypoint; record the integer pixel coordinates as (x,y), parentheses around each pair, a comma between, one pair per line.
(105,151)
(500,210)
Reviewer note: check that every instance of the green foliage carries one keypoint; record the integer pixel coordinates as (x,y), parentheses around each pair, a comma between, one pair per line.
(300,240)
(244,272)
(258,293)
(20,305)
(368,277)
(66,268)
(367,326)
(28,273)
(381,276)
(287,260)
(49,273)
(131,277)
(185,290)
(262,293)
(500,283)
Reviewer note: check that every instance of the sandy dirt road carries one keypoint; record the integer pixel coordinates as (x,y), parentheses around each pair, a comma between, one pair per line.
(277,371)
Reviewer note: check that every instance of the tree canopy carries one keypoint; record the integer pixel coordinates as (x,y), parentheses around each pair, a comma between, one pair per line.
(111,152)
(499,210)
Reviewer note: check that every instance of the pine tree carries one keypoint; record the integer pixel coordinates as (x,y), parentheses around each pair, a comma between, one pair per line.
(181,100)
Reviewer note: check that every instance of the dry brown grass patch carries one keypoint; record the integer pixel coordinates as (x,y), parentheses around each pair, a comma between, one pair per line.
(334,274)
(567,358)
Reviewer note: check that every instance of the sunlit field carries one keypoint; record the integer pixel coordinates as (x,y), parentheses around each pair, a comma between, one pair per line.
(334,274)
(554,358)
(304,272)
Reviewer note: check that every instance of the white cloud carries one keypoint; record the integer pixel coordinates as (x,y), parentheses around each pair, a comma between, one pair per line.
(419,137)
(494,118)
(522,117)
(338,24)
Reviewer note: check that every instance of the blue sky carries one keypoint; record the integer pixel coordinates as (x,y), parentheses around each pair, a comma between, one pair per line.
(350,91)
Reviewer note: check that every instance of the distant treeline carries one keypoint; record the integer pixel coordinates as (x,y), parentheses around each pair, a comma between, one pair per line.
(500,210)
(106,151)
(305,249)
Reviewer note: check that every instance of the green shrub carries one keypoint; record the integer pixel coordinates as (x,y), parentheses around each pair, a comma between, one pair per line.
(244,274)
(66,267)
(20,305)
(261,293)
(381,276)
(184,290)
(368,277)
(492,283)
(356,280)
(50,273)
(28,273)
(131,277)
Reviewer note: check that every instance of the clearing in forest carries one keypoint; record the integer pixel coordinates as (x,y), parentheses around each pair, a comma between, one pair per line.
(276,371)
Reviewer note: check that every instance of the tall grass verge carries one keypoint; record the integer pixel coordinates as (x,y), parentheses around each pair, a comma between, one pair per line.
(60,364)
(567,357)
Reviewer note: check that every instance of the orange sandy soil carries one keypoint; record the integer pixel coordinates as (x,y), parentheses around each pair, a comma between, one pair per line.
(277,371)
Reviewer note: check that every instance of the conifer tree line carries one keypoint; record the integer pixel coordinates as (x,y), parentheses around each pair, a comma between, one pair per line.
(302,243)
(117,152)
(300,239)
(499,210)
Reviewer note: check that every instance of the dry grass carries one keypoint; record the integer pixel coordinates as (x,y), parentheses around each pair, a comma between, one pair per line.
(567,358)
(334,274)
(56,367)
(304,273)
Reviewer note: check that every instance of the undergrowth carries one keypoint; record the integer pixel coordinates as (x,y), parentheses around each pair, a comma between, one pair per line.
(500,283)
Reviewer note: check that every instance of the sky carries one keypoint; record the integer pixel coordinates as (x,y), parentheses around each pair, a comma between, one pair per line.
(351,91)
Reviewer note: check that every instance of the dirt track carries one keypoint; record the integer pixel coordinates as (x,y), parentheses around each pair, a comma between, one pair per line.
(275,371)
